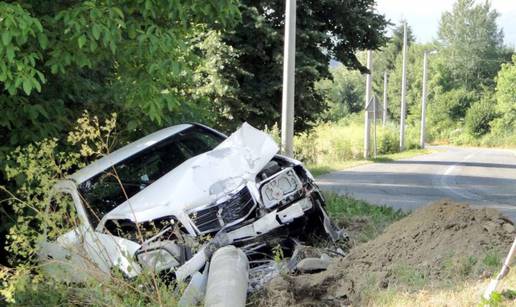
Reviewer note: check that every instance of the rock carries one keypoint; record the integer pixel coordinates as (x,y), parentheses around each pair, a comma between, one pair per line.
(313,264)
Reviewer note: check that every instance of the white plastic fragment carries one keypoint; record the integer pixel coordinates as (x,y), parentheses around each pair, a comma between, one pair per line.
(195,291)
(228,278)
(191,266)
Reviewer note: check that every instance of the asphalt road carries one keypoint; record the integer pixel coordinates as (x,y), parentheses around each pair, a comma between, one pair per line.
(477,176)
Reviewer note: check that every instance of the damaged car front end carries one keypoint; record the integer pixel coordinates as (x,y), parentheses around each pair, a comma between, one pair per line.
(166,202)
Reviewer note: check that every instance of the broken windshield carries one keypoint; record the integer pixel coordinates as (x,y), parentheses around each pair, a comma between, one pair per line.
(105,191)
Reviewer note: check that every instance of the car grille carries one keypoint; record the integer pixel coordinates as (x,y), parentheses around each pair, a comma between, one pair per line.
(213,218)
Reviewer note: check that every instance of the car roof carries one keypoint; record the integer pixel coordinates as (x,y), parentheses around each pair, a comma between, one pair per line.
(125,152)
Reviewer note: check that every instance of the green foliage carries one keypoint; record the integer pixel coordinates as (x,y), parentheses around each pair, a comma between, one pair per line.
(395,46)
(346,210)
(506,99)
(146,60)
(492,260)
(343,93)
(479,116)
(461,108)
(35,168)
(447,110)
(22,40)
(323,33)
(472,45)
(409,276)
(26,286)
(344,140)
(414,82)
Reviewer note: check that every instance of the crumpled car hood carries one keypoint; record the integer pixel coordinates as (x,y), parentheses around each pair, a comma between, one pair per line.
(201,179)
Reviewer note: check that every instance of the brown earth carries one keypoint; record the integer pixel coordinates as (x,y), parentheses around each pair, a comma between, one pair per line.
(439,244)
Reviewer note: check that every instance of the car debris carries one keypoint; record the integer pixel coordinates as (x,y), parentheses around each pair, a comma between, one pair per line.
(167,202)
(308,265)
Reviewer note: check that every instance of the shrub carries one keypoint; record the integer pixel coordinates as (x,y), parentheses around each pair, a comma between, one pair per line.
(479,116)
(35,169)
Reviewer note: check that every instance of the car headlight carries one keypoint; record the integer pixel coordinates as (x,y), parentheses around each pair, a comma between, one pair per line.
(284,184)
(157,259)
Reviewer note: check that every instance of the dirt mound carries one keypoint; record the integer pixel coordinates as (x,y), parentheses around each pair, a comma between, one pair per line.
(442,242)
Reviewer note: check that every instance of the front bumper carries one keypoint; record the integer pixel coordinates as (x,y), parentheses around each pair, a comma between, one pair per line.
(304,214)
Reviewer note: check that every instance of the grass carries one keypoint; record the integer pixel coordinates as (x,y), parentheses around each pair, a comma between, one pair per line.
(362,220)
(328,167)
(464,294)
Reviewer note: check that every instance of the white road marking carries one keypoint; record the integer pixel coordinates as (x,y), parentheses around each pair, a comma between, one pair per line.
(446,178)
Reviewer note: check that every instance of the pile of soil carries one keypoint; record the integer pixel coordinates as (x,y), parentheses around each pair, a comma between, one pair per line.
(441,242)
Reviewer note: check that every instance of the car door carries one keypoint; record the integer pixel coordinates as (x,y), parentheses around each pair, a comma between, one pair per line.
(61,250)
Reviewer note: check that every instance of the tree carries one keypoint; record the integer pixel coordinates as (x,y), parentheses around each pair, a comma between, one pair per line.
(326,30)
(386,57)
(479,116)
(506,99)
(471,45)
(344,93)
(141,59)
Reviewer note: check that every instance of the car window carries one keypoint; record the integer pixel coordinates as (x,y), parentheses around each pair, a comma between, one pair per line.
(61,215)
(104,192)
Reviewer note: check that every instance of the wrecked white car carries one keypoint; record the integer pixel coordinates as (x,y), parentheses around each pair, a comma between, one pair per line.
(167,201)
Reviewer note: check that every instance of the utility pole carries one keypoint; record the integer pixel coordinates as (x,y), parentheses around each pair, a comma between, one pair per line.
(374,128)
(367,122)
(423,97)
(289,57)
(423,101)
(384,115)
(403,89)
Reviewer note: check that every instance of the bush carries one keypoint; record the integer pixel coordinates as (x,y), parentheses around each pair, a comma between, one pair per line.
(447,110)
(35,168)
(479,116)
(388,139)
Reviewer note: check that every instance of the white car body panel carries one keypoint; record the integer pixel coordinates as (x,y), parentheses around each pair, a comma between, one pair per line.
(203,179)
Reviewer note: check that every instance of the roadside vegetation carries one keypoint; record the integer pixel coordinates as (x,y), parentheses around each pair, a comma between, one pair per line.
(471,77)
(362,221)
(332,146)
(459,294)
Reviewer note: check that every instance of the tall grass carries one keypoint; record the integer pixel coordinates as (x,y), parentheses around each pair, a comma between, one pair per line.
(335,142)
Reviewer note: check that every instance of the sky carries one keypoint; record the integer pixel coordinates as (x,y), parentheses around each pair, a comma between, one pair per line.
(423,16)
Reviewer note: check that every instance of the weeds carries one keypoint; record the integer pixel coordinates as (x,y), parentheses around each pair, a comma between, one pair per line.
(361,220)
(409,277)
(492,260)
(338,145)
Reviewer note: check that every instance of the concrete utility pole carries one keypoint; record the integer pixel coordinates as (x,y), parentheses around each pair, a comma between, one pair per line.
(403,89)
(367,122)
(289,58)
(374,128)
(423,101)
(384,115)
(423,98)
